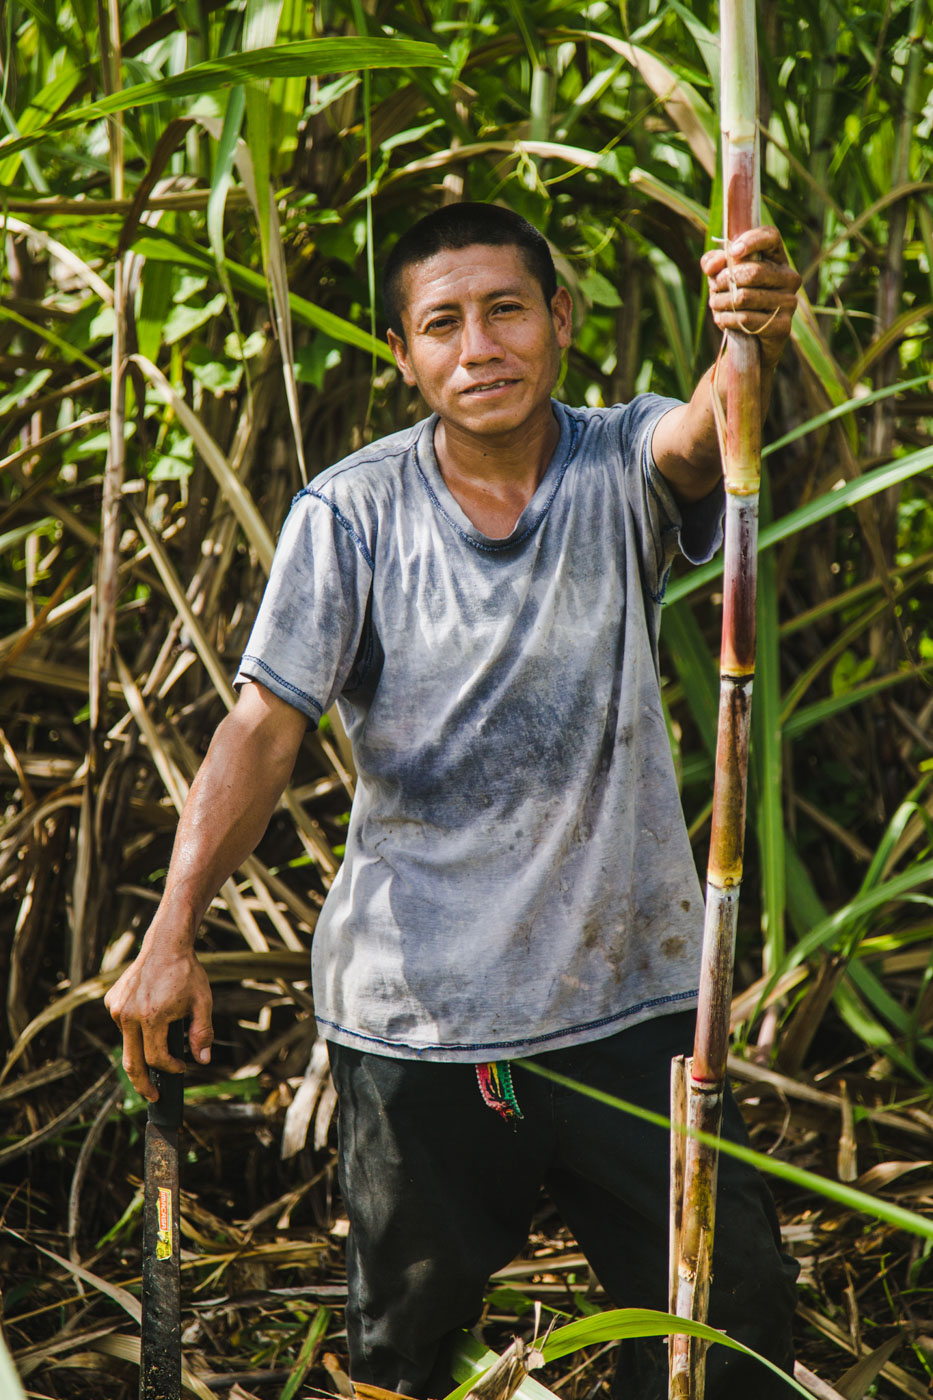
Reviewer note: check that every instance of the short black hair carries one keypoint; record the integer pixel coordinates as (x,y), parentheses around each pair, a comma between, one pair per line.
(459,226)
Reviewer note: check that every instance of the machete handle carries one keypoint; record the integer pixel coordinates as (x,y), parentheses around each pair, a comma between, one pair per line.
(167,1110)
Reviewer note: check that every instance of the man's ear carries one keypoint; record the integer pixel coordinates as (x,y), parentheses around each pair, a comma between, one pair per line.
(400,351)
(562,316)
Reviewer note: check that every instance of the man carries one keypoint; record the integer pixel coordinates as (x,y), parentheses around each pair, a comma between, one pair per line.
(481,595)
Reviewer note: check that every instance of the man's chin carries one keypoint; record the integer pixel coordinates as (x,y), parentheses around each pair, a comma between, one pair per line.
(493,419)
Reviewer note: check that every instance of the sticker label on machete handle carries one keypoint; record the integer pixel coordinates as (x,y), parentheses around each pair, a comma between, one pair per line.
(164,1237)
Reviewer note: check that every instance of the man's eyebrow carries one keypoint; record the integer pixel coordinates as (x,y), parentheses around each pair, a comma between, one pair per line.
(440,306)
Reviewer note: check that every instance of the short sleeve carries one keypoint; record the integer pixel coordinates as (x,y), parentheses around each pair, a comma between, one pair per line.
(310,623)
(665,526)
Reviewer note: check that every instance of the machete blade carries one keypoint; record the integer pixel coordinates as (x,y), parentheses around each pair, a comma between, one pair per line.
(160,1350)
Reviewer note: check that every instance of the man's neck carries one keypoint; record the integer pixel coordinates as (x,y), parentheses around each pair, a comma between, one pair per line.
(492,479)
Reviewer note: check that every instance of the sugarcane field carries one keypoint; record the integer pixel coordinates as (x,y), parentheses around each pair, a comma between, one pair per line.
(466,700)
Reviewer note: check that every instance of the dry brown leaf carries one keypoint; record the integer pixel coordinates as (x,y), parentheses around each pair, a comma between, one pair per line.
(816,1386)
(894,1374)
(506,1374)
(855,1382)
(61,1120)
(299,1112)
(113,1291)
(127,1349)
(884,1173)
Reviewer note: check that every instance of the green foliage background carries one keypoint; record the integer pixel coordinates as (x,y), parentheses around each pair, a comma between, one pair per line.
(600,126)
(196,200)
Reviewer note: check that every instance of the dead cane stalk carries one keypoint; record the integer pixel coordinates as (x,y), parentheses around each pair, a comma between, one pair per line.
(705,1073)
(105,587)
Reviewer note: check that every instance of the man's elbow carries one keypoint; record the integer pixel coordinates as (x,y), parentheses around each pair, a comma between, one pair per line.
(692,479)
(266,727)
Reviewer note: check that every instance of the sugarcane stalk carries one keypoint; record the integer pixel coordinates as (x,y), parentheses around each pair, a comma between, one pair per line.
(103,612)
(705,1073)
(678,1152)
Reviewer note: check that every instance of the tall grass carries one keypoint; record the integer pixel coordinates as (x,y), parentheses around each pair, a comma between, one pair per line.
(195,199)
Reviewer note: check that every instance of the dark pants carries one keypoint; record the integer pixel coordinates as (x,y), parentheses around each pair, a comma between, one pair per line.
(440,1193)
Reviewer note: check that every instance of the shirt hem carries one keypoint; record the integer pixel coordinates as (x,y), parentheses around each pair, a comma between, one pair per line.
(477,1052)
(253,668)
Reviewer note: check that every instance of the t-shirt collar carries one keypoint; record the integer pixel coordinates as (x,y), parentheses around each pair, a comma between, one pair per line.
(536,508)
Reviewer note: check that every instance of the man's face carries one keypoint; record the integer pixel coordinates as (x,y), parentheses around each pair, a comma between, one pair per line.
(481,344)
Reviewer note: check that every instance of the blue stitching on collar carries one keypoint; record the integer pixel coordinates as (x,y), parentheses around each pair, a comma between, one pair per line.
(496,546)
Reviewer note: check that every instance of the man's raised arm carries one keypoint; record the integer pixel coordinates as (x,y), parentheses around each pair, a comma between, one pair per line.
(753,290)
(247,766)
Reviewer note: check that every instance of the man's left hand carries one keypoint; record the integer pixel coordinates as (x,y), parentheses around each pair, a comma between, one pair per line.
(753,288)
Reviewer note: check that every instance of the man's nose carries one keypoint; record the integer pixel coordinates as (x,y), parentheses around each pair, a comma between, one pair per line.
(477,341)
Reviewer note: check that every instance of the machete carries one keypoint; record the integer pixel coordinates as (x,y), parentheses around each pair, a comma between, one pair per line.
(160,1351)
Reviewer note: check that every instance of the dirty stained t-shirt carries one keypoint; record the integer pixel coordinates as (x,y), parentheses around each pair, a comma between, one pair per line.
(517,873)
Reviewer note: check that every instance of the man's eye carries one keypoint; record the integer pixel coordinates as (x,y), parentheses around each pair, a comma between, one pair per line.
(440,323)
(508,306)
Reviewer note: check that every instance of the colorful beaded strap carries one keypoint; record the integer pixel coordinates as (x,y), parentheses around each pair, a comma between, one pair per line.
(495,1085)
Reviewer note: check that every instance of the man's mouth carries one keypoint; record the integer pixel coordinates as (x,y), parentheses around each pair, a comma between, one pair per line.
(489,387)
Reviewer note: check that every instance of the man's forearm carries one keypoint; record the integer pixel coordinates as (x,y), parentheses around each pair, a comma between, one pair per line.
(228,808)
(686,443)
(231,801)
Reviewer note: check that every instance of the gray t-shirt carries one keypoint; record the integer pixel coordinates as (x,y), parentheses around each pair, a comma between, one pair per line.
(517,873)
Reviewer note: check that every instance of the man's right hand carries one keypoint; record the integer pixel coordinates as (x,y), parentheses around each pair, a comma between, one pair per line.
(156,989)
